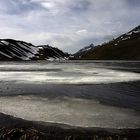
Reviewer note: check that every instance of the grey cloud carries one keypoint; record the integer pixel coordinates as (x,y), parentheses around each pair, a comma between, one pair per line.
(67,24)
(14,7)
(133,3)
(80,5)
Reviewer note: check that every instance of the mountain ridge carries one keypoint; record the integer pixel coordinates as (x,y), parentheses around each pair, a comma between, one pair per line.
(124,47)
(11,49)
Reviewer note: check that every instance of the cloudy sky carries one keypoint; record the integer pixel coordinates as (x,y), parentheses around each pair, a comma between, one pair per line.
(67,24)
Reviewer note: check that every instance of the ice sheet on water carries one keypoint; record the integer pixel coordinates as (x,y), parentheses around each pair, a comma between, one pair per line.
(67,109)
(77,112)
(64,75)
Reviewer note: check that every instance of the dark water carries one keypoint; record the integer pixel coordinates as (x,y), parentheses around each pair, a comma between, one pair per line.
(80,93)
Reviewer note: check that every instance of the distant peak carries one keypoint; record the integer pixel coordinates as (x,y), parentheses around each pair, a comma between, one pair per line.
(91,45)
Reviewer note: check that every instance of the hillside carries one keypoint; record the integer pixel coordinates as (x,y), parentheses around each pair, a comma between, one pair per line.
(19,50)
(83,51)
(125,47)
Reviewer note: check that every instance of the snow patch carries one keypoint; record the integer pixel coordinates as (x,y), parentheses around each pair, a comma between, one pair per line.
(5,42)
(5,54)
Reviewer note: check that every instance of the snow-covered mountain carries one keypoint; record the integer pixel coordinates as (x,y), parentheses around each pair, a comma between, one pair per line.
(19,50)
(126,46)
(83,51)
(131,35)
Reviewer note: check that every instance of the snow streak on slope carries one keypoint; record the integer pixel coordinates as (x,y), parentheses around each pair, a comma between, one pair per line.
(19,50)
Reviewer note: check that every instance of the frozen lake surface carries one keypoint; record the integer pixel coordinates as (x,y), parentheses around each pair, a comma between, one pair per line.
(80,93)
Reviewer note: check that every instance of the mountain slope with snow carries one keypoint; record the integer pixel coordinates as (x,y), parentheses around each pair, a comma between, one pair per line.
(125,47)
(83,51)
(19,50)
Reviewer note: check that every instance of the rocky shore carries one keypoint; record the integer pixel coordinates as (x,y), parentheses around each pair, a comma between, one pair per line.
(17,129)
